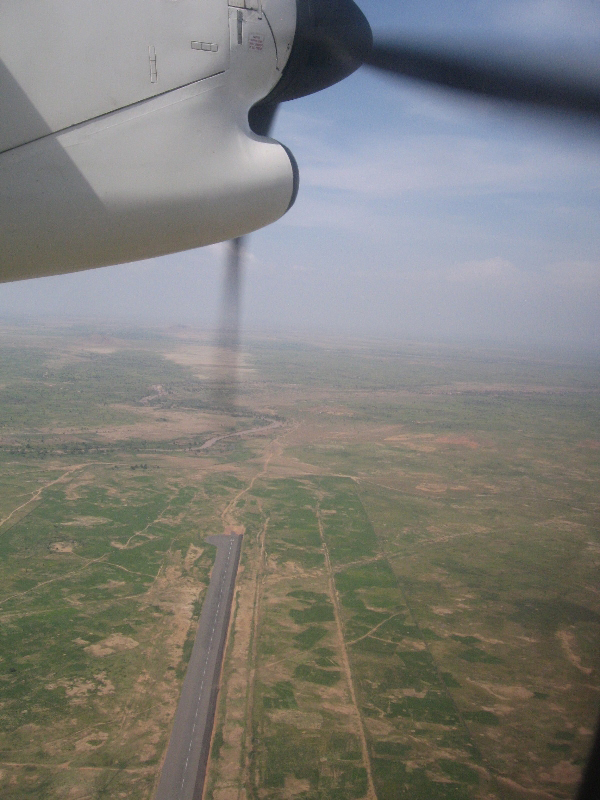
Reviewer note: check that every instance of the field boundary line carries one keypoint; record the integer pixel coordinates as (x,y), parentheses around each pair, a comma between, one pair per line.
(368,633)
(37,494)
(249,710)
(371,793)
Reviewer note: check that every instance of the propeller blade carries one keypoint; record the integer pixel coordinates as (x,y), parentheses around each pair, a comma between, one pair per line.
(230,320)
(225,384)
(225,381)
(484,77)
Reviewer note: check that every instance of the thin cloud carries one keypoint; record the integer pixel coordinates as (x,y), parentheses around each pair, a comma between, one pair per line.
(494,272)
(456,164)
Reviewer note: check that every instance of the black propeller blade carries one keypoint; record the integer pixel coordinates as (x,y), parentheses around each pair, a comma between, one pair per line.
(333,38)
(484,77)
(225,382)
(229,331)
(225,378)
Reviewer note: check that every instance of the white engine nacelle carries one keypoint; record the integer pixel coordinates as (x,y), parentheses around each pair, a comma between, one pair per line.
(124,130)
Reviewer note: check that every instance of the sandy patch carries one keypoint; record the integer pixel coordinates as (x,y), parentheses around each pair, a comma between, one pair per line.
(568,643)
(61,547)
(295,787)
(199,356)
(87,522)
(159,424)
(74,600)
(432,488)
(72,490)
(78,690)
(442,612)
(112,644)
(502,692)
(174,595)
(458,441)
(413,693)
(498,709)
(147,752)
(299,719)
(91,742)
(98,650)
(105,685)
(290,467)
(139,540)
(192,555)
(564,772)
(378,728)
(29,728)
(337,411)
(421,442)
(408,644)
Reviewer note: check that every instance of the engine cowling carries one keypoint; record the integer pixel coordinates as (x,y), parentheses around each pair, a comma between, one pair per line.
(146,148)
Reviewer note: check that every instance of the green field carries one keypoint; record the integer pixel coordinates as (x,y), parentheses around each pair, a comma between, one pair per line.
(417,613)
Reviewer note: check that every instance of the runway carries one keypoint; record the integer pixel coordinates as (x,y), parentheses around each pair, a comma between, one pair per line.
(184,768)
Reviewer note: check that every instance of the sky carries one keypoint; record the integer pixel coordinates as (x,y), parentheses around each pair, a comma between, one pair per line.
(422,214)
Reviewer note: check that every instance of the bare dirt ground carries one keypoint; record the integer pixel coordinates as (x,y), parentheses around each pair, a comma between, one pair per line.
(156,424)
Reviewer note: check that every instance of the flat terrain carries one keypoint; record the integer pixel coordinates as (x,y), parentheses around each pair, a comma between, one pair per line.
(417,611)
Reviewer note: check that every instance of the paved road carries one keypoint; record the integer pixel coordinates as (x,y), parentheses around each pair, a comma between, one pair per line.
(184,769)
